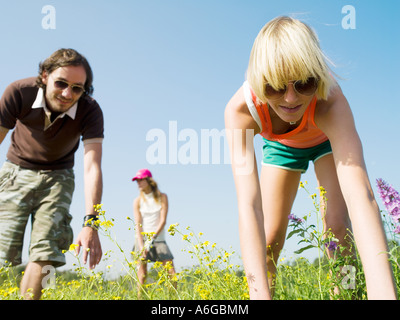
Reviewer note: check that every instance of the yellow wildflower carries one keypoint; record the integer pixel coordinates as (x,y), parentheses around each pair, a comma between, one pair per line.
(172,229)
(73,246)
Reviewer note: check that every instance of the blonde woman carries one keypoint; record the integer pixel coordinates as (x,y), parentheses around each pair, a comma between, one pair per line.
(292,100)
(150,212)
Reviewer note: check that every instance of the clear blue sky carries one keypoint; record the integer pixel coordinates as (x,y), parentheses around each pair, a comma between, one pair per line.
(157,62)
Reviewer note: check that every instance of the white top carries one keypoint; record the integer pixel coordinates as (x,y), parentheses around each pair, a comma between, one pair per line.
(151,213)
(250,104)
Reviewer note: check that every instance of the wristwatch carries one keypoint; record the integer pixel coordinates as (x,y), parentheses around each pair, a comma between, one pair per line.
(90,221)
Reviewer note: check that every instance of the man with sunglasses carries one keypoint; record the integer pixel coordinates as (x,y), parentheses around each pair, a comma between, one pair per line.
(49,114)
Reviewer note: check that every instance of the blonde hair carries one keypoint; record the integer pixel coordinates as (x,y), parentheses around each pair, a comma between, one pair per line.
(154,189)
(287,49)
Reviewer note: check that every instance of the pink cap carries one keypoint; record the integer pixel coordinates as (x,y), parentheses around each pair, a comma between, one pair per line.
(141,174)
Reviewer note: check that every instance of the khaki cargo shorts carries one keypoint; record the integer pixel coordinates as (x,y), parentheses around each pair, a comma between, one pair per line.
(45,197)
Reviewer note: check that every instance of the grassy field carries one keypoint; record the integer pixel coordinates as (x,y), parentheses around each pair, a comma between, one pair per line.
(213,276)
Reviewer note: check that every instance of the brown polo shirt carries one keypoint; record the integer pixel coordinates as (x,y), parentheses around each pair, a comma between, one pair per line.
(35,142)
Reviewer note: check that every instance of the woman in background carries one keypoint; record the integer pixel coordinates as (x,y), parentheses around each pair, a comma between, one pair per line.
(150,210)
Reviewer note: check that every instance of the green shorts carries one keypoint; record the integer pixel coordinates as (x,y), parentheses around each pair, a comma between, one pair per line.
(43,195)
(294,159)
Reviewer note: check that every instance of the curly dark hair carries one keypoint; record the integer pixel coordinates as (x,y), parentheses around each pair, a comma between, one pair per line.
(63,58)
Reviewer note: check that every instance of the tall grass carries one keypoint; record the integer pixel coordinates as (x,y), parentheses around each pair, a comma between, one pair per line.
(213,275)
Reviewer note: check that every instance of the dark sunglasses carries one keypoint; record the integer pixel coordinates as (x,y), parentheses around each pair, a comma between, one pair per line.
(62,85)
(307,88)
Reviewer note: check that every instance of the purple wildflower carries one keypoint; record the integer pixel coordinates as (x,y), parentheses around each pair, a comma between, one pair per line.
(391,199)
(295,219)
(331,245)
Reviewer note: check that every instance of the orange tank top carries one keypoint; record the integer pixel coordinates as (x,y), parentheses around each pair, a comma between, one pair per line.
(306,135)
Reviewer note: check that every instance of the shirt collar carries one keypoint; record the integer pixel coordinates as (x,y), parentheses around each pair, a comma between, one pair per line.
(40,102)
